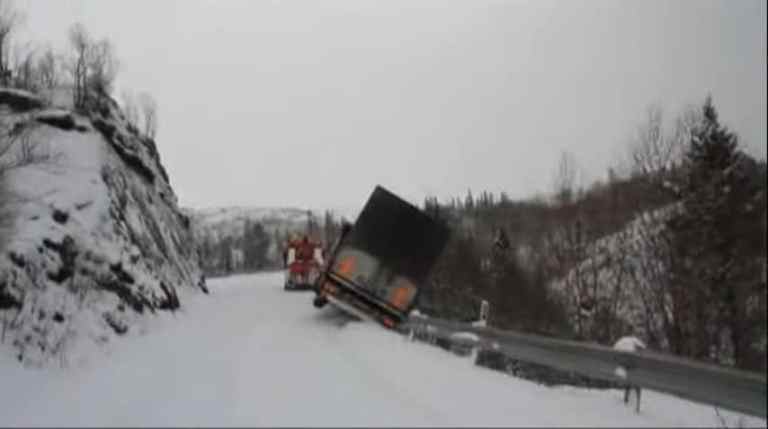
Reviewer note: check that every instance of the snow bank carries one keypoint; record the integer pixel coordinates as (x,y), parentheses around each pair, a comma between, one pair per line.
(97,238)
(629,344)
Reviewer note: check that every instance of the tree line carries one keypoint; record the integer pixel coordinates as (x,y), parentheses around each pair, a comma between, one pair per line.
(88,68)
(256,247)
(669,247)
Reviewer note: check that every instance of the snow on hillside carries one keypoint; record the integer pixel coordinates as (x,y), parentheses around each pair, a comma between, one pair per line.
(616,273)
(253,355)
(96,238)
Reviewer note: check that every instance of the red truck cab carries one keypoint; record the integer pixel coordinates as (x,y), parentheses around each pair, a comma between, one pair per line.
(303,260)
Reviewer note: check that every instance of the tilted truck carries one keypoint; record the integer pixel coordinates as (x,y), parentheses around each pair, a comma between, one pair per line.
(378,265)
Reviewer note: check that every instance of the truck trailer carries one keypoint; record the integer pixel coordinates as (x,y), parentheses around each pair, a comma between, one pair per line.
(377,266)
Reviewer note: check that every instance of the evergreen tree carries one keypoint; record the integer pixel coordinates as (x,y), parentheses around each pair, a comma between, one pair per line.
(709,304)
(469,202)
(504,199)
(256,246)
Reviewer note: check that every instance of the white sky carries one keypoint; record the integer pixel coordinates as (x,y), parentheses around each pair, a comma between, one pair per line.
(312,103)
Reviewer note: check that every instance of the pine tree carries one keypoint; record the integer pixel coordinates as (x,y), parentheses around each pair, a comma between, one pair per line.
(504,199)
(469,202)
(707,302)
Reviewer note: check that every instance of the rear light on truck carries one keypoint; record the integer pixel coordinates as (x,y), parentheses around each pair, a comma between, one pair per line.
(330,288)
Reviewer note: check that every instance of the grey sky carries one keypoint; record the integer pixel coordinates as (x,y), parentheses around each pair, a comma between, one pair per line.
(311,103)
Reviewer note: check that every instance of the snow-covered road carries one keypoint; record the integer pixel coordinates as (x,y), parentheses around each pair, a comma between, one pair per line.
(252,354)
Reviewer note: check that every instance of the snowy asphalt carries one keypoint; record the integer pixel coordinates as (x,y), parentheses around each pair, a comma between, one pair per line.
(252,354)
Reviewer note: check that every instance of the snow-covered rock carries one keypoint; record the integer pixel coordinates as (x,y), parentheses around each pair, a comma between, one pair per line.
(96,239)
(629,344)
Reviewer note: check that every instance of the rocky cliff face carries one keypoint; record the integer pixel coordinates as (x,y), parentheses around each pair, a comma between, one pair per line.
(94,239)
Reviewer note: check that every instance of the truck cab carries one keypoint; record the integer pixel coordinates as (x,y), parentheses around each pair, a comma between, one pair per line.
(303,263)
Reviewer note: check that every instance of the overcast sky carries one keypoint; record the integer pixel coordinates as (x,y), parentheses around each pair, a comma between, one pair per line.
(312,103)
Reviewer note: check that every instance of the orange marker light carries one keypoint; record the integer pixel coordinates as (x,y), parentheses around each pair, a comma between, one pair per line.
(346,266)
(400,297)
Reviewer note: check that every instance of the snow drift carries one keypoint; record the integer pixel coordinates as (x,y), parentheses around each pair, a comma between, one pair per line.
(94,236)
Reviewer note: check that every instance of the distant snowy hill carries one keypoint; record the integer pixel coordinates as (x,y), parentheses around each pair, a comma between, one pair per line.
(220,222)
(95,238)
(238,239)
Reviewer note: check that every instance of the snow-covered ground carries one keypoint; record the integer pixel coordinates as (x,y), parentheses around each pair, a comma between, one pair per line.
(252,354)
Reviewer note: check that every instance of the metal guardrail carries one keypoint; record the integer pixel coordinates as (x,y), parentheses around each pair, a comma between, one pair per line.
(710,384)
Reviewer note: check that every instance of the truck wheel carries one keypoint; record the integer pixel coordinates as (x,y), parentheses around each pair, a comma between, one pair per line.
(319,302)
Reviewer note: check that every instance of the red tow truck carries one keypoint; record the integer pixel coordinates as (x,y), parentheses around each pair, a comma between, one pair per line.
(304,262)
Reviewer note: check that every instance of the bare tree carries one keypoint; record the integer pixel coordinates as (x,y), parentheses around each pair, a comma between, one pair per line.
(81,43)
(565,178)
(148,108)
(25,66)
(47,68)
(655,154)
(18,148)
(130,108)
(653,151)
(102,67)
(9,20)
(93,66)
(650,149)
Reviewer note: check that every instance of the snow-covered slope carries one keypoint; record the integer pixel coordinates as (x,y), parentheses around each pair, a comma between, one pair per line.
(618,275)
(253,355)
(96,239)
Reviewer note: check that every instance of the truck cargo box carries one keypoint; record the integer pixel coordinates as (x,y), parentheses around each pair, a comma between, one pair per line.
(378,266)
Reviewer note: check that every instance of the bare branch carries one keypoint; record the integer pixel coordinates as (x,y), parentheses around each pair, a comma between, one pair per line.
(565,178)
(130,108)
(149,113)
(80,42)
(653,151)
(10,18)
(47,67)
(102,67)
(18,148)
